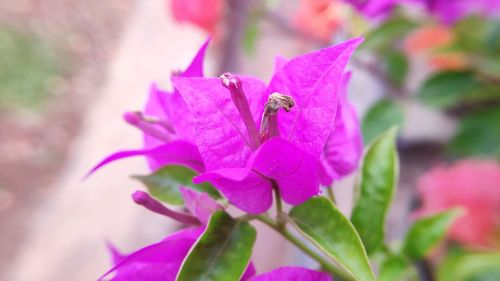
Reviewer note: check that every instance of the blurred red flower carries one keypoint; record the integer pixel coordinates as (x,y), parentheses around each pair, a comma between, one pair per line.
(431,42)
(319,18)
(203,13)
(473,185)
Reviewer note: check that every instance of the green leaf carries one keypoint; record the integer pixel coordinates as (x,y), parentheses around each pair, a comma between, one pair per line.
(448,88)
(478,134)
(380,117)
(376,185)
(222,253)
(164,184)
(396,66)
(250,37)
(393,269)
(334,234)
(427,232)
(464,266)
(383,37)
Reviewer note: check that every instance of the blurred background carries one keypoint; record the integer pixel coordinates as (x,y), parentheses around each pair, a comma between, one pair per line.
(69,69)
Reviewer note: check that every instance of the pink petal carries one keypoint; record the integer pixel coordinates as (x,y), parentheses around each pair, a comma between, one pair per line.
(250,188)
(344,147)
(290,273)
(220,133)
(242,187)
(195,69)
(156,106)
(249,272)
(199,204)
(157,262)
(313,80)
(181,118)
(176,152)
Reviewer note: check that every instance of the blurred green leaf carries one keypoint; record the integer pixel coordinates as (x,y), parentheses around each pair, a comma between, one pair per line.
(396,66)
(391,31)
(478,134)
(222,253)
(250,37)
(321,221)
(478,35)
(427,232)
(164,184)
(393,268)
(375,189)
(31,68)
(463,266)
(380,117)
(448,88)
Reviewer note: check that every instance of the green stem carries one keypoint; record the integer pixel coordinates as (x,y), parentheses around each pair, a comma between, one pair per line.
(299,244)
(279,207)
(331,195)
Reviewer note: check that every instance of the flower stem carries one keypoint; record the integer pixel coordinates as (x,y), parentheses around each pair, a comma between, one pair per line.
(331,195)
(325,264)
(281,224)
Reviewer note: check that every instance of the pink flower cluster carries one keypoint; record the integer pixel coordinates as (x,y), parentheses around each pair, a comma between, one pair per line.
(246,138)
(473,185)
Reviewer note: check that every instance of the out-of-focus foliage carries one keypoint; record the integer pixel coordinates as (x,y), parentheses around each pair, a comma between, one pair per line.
(461,265)
(381,116)
(30,68)
(478,134)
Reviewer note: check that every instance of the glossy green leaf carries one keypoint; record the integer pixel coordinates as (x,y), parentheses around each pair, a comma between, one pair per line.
(396,66)
(164,184)
(222,253)
(393,268)
(478,134)
(375,189)
(384,36)
(465,266)
(427,232)
(334,234)
(380,117)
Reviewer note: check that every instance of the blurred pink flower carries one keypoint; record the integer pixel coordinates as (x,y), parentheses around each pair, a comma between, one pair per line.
(473,185)
(319,18)
(374,8)
(451,11)
(206,14)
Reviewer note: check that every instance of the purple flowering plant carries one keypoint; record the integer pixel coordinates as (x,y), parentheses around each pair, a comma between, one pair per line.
(235,140)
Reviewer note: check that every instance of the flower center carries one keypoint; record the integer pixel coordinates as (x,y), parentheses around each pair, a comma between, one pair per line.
(157,128)
(235,87)
(269,122)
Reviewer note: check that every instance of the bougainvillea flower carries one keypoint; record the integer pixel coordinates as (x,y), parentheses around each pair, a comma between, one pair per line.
(320,18)
(373,8)
(344,147)
(245,160)
(289,273)
(161,261)
(450,11)
(205,14)
(167,126)
(473,185)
